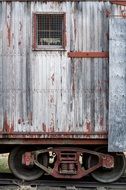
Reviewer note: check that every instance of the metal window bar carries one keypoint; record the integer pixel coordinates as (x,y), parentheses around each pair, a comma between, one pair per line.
(50,29)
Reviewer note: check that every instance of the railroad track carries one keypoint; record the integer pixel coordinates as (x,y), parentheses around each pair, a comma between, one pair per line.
(49,183)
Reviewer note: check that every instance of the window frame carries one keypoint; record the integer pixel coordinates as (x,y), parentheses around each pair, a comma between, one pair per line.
(35,45)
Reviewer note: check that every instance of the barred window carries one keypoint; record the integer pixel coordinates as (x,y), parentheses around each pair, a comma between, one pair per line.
(49,31)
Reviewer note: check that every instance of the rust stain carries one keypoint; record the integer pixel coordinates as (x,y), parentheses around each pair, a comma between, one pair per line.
(88,126)
(52,123)
(43,127)
(107,13)
(8,35)
(53,78)
(34,31)
(75,31)
(52,129)
(69,128)
(13,39)
(19,121)
(64,36)
(20,28)
(23,121)
(101,122)
(30,118)
(8,128)
(51,99)
(100,90)
(73,88)
(107,36)
(61,79)
(12,127)
(101,82)
(73,82)
(123,13)
(19,43)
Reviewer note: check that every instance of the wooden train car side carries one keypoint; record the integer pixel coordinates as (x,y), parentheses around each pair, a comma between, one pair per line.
(63,85)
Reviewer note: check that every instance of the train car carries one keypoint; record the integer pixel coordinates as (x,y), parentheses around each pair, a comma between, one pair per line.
(63,88)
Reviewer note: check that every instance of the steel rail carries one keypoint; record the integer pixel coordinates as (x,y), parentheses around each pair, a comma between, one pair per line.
(8,179)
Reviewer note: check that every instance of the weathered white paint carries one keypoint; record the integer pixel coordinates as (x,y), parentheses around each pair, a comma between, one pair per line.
(45,91)
(117,85)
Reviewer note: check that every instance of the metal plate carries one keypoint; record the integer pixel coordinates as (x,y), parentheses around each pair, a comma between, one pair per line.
(117,85)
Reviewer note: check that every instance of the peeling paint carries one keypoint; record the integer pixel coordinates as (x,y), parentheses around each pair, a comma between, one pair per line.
(20,26)
(117,85)
(88,126)
(19,43)
(8,128)
(46,91)
(52,77)
(30,118)
(43,127)
(9,35)
(102,122)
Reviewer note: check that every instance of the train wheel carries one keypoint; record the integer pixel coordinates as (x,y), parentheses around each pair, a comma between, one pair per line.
(22,171)
(105,175)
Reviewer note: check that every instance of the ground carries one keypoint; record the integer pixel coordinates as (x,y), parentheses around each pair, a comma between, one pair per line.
(4,163)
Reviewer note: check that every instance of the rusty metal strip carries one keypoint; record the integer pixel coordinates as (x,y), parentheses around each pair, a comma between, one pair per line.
(48,141)
(118,2)
(80,54)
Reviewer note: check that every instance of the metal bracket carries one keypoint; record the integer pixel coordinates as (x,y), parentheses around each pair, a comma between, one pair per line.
(81,54)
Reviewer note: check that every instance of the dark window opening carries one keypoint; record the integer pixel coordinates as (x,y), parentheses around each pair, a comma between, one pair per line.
(49,30)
